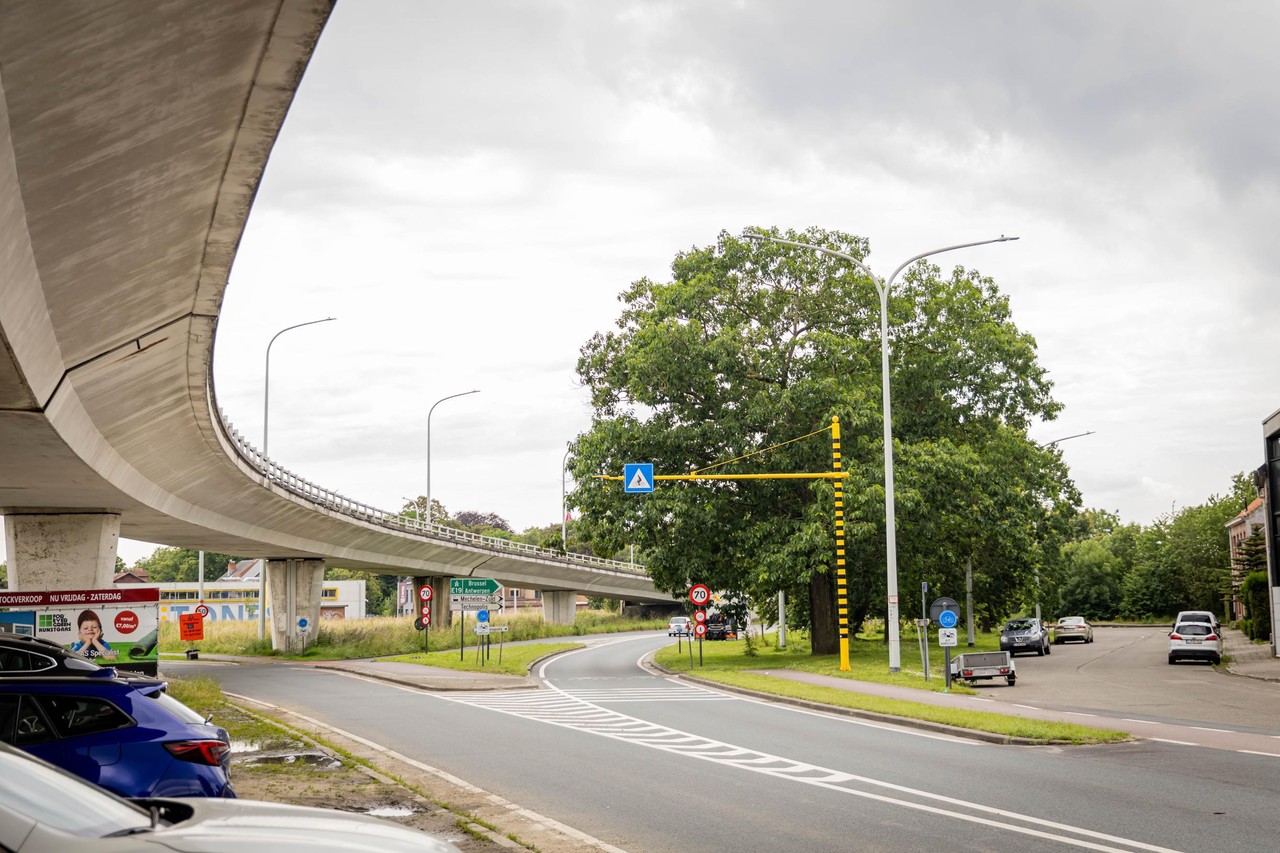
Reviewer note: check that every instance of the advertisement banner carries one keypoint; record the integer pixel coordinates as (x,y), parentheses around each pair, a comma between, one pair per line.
(114,627)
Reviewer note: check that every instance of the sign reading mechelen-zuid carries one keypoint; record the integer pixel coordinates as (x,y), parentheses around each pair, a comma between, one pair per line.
(116,627)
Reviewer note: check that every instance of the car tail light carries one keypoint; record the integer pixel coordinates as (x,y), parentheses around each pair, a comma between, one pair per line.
(967,672)
(198,751)
(1175,636)
(1212,637)
(1004,670)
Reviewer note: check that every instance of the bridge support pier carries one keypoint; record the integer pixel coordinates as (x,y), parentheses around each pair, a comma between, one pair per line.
(66,550)
(559,607)
(294,588)
(440,614)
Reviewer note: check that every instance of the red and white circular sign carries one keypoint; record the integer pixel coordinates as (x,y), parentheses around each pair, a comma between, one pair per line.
(126,622)
(425,593)
(699,616)
(202,611)
(700,630)
(426,616)
(426,610)
(699,594)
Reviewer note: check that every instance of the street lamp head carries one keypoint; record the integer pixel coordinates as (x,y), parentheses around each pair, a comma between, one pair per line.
(1004,239)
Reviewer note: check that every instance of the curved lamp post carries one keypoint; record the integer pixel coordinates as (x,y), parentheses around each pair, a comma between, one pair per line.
(266,379)
(882,287)
(429,411)
(266,397)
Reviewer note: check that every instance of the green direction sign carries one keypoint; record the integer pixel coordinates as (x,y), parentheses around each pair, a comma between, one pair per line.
(473,586)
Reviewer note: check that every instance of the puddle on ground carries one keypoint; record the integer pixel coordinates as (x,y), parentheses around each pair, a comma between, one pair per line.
(391,811)
(309,759)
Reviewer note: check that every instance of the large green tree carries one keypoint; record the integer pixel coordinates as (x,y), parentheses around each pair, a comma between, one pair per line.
(171,565)
(752,346)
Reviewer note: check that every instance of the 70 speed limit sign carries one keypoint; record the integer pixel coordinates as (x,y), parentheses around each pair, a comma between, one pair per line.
(699,594)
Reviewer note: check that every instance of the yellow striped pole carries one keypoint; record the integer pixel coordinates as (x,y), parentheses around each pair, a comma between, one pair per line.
(842,582)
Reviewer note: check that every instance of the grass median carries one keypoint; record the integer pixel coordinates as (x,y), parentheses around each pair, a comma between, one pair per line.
(744,664)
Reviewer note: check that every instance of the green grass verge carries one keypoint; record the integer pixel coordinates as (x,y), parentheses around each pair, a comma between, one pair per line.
(515,660)
(725,662)
(382,636)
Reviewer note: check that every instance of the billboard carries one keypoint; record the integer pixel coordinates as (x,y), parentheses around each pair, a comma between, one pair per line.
(115,627)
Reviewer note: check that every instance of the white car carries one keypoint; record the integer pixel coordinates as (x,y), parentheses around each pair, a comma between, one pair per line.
(1195,641)
(680,626)
(45,808)
(1197,616)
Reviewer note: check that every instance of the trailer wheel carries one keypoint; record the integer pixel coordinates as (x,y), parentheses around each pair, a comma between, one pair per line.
(1012,680)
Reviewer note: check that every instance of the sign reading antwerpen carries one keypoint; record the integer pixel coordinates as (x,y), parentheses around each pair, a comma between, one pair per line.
(471,595)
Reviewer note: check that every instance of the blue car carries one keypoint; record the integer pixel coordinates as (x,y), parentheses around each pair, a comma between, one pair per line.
(126,734)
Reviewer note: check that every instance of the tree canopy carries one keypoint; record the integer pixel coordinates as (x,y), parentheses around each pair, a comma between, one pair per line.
(753,345)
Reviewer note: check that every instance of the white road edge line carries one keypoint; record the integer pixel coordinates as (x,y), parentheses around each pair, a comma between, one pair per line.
(1168,740)
(1255,752)
(1207,729)
(448,777)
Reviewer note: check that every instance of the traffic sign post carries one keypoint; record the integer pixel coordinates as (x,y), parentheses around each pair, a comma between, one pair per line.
(946,612)
(637,478)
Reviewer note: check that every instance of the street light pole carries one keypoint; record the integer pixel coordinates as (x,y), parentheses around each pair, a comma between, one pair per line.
(266,397)
(266,379)
(429,411)
(883,287)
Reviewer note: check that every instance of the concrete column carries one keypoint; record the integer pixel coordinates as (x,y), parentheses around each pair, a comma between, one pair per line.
(440,615)
(61,551)
(559,607)
(294,588)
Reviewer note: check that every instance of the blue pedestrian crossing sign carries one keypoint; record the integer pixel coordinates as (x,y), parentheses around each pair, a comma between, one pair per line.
(637,477)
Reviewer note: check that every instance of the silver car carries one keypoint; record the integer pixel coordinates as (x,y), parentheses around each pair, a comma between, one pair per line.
(44,808)
(1072,628)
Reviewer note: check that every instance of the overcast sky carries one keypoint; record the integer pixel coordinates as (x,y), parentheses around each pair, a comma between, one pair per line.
(467,187)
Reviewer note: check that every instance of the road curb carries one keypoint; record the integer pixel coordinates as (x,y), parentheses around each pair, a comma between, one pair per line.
(909,722)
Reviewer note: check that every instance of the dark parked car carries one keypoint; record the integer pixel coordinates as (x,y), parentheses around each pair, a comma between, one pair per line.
(22,656)
(44,808)
(126,734)
(1025,635)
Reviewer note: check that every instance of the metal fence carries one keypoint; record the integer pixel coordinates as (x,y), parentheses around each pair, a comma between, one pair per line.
(328,499)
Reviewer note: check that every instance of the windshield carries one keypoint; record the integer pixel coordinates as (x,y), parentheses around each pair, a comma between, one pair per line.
(42,793)
(1020,625)
(1071,620)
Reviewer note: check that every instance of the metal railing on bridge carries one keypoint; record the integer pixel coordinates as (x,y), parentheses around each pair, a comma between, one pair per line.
(329,499)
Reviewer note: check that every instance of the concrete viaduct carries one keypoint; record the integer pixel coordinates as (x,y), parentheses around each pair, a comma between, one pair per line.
(133,136)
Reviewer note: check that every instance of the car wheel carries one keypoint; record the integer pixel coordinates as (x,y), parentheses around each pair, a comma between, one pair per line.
(1048,650)
(1040,650)
(1171,660)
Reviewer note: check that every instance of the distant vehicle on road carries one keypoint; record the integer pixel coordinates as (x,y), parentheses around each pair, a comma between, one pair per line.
(1196,616)
(680,626)
(1195,641)
(720,628)
(1025,635)
(1072,628)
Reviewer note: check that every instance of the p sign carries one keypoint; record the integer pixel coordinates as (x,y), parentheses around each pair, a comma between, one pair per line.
(699,594)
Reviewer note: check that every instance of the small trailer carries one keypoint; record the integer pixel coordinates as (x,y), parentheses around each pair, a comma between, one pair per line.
(975,666)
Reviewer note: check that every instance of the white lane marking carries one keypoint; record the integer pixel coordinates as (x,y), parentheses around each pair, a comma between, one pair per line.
(1178,742)
(1255,752)
(553,712)
(1078,714)
(437,772)
(1207,729)
(1144,722)
(1028,707)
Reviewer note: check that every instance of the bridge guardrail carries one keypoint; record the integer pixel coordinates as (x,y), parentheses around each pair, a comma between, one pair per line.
(331,500)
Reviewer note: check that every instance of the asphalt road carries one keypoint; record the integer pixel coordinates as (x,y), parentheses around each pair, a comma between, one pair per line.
(1125,672)
(648,763)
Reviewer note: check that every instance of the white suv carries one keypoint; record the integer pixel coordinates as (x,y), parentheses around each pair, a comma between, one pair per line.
(1195,641)
(1197,616)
